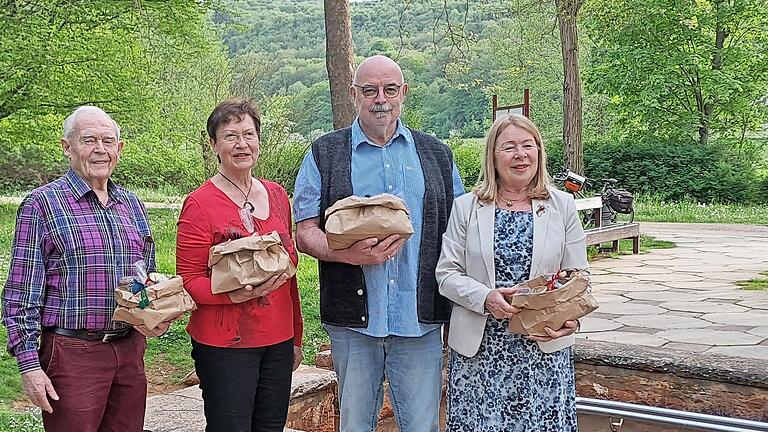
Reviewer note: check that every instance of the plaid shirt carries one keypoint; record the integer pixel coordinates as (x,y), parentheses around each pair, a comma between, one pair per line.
(69,253)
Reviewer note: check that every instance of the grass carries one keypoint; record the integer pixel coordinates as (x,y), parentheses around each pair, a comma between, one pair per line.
(757,284)
(649,209)
(625,247)
(167,194)
(168,357)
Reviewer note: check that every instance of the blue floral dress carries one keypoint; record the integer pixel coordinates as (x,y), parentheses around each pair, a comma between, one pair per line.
(510,385)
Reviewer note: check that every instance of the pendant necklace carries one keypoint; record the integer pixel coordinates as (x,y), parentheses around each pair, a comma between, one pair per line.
(248,207)
(509,202)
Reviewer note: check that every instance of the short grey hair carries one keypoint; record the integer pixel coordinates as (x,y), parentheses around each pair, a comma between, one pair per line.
(69,122)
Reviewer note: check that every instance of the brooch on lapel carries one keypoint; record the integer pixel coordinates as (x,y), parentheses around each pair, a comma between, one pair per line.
(540,210)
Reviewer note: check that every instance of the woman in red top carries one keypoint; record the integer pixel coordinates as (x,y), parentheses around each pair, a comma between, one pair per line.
(245,343)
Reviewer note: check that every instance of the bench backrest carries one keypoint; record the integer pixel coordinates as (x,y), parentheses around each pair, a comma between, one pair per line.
(589,203)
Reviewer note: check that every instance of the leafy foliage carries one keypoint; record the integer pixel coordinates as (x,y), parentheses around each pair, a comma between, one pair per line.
(681,68)
(160,67)
(675,170)
(157,67)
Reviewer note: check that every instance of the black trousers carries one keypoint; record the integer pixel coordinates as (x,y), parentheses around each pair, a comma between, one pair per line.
(245,389)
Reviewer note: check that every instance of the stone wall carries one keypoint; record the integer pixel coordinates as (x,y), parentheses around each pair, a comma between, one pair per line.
(704,383)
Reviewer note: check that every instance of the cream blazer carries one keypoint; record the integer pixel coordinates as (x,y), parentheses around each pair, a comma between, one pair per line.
(466,271)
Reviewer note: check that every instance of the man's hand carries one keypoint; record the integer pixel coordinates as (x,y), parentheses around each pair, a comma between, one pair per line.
(38,387)
(298,356)
(249,292)
(498,306)
(370,251)
(569,327)
(155,332)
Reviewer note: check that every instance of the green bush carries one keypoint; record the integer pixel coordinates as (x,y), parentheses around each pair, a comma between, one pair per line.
(676,170)
(468,154)
(30,152)
(555,155)
(149,161)
(281,151)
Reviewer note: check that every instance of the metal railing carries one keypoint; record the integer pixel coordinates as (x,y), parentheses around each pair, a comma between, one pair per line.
(617,412)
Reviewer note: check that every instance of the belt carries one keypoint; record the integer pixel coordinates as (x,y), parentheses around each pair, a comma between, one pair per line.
(104,336)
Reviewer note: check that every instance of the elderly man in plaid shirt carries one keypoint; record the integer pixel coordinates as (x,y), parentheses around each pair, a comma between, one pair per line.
(76,237)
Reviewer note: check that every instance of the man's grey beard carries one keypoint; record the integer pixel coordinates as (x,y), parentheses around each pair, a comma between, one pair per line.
(380,109)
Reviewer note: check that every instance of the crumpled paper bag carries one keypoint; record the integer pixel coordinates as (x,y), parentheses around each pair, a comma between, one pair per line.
(542,308)
(249,260)
(167,301)
(354,218)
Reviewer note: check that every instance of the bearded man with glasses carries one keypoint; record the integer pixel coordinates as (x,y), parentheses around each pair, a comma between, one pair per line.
(379,300)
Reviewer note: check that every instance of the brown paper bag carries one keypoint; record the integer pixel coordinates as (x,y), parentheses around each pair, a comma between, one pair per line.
(356,218)
(551,309)
(167,301)
(249,260)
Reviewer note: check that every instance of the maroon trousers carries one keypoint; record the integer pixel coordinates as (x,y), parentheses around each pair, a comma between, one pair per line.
(101,386)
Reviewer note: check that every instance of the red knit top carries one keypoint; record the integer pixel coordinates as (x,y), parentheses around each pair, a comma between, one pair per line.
(208,218)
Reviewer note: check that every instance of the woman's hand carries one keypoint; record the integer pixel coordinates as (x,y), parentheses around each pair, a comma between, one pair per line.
(298,356)
(569,328)
(249,292)
(497,305)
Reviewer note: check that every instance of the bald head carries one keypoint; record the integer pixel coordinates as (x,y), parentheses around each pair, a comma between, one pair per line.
(70,123)
(376,65)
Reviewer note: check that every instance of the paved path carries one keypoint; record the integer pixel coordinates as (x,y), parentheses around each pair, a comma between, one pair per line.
(182,410)
(173,202)
(684,298)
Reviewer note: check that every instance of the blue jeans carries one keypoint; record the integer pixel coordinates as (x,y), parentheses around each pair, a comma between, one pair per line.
(412,366)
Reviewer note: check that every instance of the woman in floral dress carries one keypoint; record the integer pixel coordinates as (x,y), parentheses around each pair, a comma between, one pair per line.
(512,227)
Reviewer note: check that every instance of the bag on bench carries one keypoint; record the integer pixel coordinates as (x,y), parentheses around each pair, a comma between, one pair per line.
(619,200)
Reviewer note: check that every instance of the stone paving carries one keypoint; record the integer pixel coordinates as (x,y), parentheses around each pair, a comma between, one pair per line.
(682,298)
(182,410)
(685,298)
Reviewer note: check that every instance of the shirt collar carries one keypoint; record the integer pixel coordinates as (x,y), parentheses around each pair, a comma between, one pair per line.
(359,137)
(80,187)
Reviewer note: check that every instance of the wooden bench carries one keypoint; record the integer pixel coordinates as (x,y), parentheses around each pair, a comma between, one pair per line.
(608,233)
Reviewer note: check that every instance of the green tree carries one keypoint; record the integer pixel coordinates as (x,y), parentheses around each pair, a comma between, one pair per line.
(682,68)
(156,66)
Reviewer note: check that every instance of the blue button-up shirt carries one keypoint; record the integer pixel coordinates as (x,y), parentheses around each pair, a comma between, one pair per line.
(394,168)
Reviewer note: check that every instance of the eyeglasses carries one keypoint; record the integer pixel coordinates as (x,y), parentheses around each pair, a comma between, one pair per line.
(523,147)
(91,141)
(232,137)
(370,92)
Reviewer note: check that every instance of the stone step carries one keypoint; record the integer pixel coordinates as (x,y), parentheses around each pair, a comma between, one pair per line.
(311,398)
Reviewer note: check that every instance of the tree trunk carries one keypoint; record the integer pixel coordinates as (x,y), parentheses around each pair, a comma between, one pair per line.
(708,107)
(567,10)
(339,60)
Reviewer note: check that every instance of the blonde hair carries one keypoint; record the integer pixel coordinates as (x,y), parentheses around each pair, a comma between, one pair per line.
(487,188)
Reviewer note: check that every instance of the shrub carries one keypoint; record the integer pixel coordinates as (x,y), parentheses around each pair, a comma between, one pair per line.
(675,170)
(30,152)
(281,151)
(468,154)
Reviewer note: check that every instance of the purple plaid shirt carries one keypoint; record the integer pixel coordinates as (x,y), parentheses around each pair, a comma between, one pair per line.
(69,253)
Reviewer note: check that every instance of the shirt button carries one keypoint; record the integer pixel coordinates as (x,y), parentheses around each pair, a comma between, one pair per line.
(359,292)
(392,281)
(387,165)
(390,186)
(362,318)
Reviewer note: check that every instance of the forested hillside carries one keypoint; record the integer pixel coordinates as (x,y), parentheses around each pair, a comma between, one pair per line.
(285,41)
(675,94)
